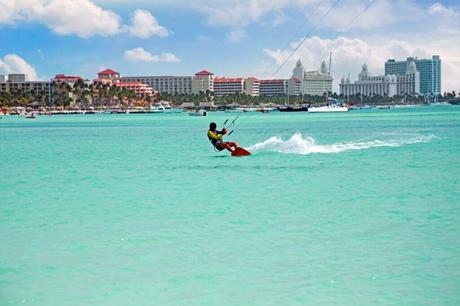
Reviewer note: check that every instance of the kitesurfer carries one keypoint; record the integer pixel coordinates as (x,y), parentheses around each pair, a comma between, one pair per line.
(216,138)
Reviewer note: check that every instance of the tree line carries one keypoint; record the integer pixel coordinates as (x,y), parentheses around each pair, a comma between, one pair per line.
(99,95)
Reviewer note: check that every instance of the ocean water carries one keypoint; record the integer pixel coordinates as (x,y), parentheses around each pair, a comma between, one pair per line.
(361,208)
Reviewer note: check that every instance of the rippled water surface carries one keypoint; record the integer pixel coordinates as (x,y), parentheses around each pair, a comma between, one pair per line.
(361,208)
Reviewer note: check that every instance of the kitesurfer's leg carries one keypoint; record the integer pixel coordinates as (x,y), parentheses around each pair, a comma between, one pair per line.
(233,144)
(227,146)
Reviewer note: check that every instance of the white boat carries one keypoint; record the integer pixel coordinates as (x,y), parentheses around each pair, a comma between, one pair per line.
(328,109)
(240,110)
(198,113)
(169,109)
(30,115)
(157,108)
(405,105)
(440,104)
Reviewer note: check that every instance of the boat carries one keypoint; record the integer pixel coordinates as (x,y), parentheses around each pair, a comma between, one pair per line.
(30,115)
(157,108)
(405,105)
(169,109)
(328,109)
(293,108)
(440,104)
(383,107)
(198,113)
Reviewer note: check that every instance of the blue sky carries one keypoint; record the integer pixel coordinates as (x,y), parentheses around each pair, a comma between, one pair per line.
(231,38)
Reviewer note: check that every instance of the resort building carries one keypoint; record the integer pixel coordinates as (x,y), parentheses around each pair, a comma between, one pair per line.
(367,85)
(409,83)
(203,81)
(67,78)
(314,83)
(293,87)
(430,72)
(17,77)
(251,86)
(140,89)
(227,86)
(164,84)
(274,87)
(108,74)
(13,83)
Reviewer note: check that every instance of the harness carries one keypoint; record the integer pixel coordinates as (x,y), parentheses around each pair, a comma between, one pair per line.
(215,142)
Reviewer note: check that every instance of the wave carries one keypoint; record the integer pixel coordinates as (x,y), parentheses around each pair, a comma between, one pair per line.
(298,144)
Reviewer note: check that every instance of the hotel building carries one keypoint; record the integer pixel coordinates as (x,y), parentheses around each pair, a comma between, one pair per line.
(140,89)
(409,83)
(202,82)
(18,83)
(314,83)
(367,85)
(164,84)
(275,87)
(430,72)
(227,86)
(70,79)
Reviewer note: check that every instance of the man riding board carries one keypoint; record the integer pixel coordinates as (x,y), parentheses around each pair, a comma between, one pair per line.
(216,138)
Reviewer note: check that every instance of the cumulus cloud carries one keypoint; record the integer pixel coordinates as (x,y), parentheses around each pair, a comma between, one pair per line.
(349,54)
(236,35)
(12,63)
(83,18)
(141,55)
(80,17)
(145,25)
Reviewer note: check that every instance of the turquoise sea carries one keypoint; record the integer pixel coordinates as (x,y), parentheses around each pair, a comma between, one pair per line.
(358,208)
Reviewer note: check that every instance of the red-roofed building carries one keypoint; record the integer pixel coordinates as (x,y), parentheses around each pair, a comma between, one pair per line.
(108,74)
(203,81)
(203,73)
(67,78)
(139,88)
(273,87)
(103,81)
(226,86)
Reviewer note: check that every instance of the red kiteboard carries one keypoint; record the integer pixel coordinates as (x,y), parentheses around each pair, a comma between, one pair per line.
(240,152)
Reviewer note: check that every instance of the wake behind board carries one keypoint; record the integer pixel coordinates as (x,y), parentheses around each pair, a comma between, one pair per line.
(240,152)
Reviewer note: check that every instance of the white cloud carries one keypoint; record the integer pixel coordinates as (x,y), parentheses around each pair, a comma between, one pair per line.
(236,35)
(83,18)
(12,63)
(145,25)
(349,54)
(79,17)
(140,55)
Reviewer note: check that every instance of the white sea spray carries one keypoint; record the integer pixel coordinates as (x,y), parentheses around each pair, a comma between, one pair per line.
(304,145)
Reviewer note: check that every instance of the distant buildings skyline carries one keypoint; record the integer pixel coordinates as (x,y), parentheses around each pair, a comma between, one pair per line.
(412,76)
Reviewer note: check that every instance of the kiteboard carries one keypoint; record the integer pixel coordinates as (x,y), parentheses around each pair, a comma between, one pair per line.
(240,152)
